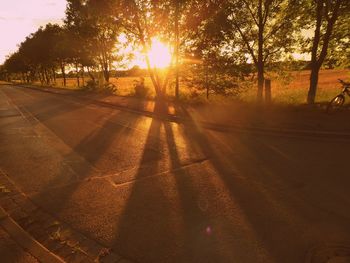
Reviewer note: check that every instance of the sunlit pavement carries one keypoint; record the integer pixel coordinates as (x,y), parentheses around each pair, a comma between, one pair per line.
(157,191)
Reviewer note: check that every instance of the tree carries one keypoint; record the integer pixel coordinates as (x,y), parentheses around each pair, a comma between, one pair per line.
(39,55)
(95,31)
(63,51)
(324,15)
(15,64)
(339,46)
(3,73)
(143,20)
(262,29)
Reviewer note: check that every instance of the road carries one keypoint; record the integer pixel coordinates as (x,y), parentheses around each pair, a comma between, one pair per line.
(159,191)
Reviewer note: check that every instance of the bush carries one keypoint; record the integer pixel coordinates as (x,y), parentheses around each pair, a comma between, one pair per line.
(90,85)
(109,88)
(141,90)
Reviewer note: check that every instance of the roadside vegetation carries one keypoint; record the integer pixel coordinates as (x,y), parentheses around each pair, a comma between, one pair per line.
(218,50)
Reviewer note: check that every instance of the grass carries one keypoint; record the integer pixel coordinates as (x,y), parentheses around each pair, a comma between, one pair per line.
(292,92)
(295,91)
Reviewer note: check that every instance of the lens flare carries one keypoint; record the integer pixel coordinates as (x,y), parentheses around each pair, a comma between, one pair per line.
(159,54)
(209,230)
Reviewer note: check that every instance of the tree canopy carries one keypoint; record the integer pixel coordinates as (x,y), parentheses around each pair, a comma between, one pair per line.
(220,42)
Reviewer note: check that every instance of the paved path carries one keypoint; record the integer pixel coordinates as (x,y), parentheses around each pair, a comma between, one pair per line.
(160,191)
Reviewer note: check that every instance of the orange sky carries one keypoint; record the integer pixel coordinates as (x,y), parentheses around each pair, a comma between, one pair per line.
(19,18)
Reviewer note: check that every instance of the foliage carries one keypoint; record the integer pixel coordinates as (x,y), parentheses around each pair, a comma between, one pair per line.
(90,22)
(260,30)
(140,88)
(339,46)
(218,46)
(324,17)
(216,74)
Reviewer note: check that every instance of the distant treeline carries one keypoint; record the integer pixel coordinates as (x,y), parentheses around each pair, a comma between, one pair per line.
(135,71)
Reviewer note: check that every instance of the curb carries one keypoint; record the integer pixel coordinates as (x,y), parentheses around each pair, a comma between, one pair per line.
(26,241)
(36,226)
(210,125)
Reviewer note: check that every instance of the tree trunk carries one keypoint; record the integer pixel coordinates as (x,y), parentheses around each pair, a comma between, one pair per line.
(314,65)
(106,74)
(46,77)
(77,72)
(105,69)
(54,75)
(313,83)
(260,68)
(317,61)
(260,62)
(177,49)
(41,77)
(32,76)
(91,75)
(82,75)
(141,33)
(156,85)
(63,74)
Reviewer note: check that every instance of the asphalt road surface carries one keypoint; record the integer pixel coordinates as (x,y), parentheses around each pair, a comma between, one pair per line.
(158,191)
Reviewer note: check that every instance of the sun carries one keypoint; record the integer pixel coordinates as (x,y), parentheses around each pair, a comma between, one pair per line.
(159,54)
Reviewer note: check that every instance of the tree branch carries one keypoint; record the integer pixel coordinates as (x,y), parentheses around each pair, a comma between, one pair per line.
(245,40)
(329,31)
(251,12)
(268,54)
(267,9)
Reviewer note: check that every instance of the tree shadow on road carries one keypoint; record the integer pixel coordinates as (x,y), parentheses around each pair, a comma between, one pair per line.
(266,183)
(83,162)
(164,219)
(257,205)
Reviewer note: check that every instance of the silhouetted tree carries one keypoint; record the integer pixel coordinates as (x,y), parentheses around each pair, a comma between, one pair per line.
(323,16)
(261,29)
(95,32)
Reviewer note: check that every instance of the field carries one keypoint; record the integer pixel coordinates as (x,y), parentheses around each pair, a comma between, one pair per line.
(290,90)
(295,92)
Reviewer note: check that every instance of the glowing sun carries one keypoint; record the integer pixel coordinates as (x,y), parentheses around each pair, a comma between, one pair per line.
(159,54)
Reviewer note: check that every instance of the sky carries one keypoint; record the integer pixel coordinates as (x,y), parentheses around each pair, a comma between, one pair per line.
(20,18)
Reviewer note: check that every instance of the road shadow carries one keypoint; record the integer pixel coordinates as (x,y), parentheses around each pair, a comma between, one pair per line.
(269,184)
(165,219)
(257,205)
(80,164)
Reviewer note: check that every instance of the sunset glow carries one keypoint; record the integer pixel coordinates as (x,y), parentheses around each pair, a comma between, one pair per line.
(159,54)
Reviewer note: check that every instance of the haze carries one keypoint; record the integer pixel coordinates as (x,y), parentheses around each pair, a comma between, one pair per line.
(19,18)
